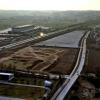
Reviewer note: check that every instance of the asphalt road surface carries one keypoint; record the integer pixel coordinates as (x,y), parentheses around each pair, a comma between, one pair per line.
(67,40)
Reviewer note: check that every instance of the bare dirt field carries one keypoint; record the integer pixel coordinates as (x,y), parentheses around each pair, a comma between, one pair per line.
(93,62)
(65,62)
(53,60)
(93,56)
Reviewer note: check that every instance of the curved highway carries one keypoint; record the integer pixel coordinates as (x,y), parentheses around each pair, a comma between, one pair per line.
(69,82)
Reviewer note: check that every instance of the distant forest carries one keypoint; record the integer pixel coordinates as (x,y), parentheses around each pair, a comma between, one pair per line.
(56,19)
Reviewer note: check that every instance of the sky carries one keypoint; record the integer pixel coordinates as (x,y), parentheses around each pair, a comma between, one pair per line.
(50,5)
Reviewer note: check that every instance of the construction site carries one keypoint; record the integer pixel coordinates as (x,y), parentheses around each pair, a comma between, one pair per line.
(52,60)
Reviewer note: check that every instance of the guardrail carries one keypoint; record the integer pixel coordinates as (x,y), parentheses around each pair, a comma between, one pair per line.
(66,86)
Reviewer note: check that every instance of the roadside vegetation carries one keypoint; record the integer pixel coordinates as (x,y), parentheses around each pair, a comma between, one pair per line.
(55,19)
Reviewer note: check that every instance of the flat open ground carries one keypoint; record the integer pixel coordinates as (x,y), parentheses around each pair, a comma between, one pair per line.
(93,54)
(56,55)
(70,39)
(27,93)
(54,60)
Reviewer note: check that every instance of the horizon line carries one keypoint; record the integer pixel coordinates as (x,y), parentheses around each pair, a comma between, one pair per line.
(43,10)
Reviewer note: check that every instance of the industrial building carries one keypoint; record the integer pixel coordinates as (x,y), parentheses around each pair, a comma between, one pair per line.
(6,76)
(23,29)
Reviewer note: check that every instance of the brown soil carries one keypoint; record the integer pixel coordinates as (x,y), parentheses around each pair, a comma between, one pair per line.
(93,62)
(65,62)
(53,60)
(93,56)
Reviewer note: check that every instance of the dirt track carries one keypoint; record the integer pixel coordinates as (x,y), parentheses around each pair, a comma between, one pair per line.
(65,63)
(53,60)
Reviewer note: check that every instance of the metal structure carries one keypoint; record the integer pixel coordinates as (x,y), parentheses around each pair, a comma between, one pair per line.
(6,76)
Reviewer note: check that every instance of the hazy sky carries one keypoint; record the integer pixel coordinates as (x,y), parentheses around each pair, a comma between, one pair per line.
(50,4)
